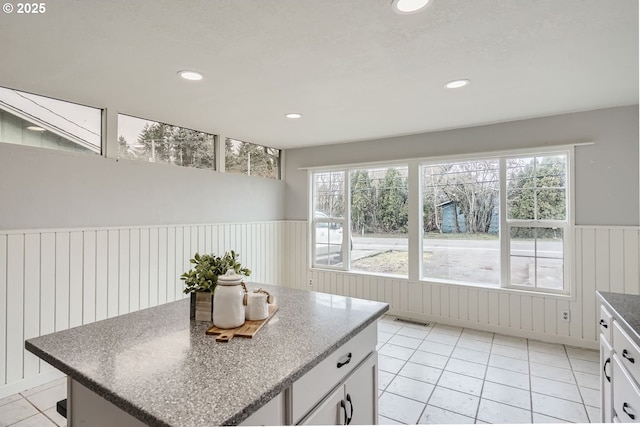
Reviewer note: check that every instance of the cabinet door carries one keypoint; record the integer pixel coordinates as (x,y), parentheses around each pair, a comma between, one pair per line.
(606,372)
(362,393)
(330,412)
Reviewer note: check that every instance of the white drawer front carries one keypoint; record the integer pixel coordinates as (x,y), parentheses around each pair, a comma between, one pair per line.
(605,323)
(309,390)
(626,396)
(627,351)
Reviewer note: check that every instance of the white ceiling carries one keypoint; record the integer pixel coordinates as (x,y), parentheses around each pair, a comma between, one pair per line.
(353,68)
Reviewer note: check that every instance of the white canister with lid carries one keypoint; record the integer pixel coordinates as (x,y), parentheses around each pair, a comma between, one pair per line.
(228,301)
(258,304)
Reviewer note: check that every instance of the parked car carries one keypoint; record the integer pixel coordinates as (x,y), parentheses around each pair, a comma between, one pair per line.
(329,238)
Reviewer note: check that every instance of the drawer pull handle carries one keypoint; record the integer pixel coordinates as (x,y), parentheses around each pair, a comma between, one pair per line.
(351,409)
(625,354)
(344,409)
(604,369)
(348,359)
(624,409)
(603,323)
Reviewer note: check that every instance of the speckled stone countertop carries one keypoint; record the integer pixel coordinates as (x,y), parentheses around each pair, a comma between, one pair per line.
(160,367)
(625,309)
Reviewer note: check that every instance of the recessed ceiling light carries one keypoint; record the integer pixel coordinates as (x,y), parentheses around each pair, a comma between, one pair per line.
(405,7)
(293,115)
(455,84)
(36,128)
(190,75)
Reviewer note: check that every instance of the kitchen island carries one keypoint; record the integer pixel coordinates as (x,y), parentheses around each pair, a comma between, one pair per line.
(158,367)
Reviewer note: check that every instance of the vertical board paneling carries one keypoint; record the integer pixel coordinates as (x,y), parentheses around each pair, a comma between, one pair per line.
(162,261)
(463,298)
(513,304)
(435,300)
(153,266)
(173,287)
(631,261)
(537,308)
(113,273)
(616,260)
(89,277)
(62,281)
(15,304)
(76,254)
(3,308)
(102,285)
(550,316)
(80,276)
(134,269)
(602,261)
(473,304)
(178,258)
(494,308)
(526,312)
(454,295)
(415,297)
(145,268)
(32,299)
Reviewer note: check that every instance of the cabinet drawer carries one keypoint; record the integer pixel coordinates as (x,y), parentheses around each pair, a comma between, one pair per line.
(309,390)
(605,323)
(626,396)
(627,351)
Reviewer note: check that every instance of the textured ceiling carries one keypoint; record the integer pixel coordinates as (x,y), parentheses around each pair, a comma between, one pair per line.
(353,68)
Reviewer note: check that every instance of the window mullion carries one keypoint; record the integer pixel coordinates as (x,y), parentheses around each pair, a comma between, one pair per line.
(504,233)
(346,226)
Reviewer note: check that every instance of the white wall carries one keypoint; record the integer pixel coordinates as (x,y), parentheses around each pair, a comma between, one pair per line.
(606,173)
(42,188)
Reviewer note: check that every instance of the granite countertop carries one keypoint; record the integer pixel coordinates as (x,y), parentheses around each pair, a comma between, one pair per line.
(160,367)
(625,308)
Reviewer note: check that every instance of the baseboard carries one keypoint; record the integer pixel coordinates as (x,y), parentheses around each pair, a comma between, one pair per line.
(522,333)
(27,383)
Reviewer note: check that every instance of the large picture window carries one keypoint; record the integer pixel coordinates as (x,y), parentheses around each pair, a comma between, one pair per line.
(496,221)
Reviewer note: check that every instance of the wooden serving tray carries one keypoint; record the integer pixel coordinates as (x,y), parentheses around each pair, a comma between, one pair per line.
(248,330)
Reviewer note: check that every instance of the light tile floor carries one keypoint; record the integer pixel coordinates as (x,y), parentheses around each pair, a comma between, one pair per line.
(436,374)
(35,407)
(440,374)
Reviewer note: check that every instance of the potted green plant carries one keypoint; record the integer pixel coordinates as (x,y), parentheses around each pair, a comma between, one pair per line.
(201,280)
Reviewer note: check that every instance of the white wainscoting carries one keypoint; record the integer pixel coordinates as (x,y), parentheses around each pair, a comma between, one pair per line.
(51,280)
(605,259)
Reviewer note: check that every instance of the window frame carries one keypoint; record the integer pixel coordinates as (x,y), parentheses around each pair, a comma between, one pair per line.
(279,162)
(415,246)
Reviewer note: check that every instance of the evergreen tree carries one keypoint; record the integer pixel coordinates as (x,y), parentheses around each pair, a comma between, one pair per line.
(392,203)
(362,201)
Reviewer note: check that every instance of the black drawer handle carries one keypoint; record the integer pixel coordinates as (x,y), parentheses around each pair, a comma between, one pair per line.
(603,323)
(351,409)
(344,409)
(625,354)
(624,409)
(604,369)
(348,359)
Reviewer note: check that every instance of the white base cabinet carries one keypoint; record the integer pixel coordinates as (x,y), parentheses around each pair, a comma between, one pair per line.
(353,402)
(619,371)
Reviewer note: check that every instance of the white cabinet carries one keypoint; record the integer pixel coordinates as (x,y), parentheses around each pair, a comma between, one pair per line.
(619,372)
(312,390)
(606,372)
(354,401)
